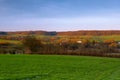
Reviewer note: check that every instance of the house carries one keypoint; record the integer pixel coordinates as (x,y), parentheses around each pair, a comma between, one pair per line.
(118,43)
(79,42)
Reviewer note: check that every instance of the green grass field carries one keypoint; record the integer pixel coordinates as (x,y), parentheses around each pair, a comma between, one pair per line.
(39,67)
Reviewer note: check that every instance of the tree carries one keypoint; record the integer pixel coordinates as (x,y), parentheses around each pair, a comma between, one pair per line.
(109,41)
(32,44)
(113,45)
(86,43)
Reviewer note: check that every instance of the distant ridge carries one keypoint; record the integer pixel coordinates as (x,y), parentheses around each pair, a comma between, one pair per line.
(69,33)
(91,32)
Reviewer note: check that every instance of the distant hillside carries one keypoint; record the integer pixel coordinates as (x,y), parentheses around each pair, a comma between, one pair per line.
(69,33)
(3,33)
(28,32)
(91,32)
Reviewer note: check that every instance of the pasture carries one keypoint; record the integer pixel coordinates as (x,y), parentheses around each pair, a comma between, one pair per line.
(53,67)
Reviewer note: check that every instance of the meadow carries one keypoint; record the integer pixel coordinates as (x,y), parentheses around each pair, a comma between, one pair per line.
(55,67)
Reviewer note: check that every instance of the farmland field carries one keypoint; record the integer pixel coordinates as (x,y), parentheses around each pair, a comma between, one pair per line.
(46,67)
(10,41)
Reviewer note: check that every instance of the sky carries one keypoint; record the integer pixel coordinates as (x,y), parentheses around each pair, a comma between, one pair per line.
(59,15)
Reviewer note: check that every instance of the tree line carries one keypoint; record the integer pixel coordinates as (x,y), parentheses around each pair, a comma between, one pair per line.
(87,47)
(108,48)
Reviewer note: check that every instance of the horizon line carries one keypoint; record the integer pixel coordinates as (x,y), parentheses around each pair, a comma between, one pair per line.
(62,30)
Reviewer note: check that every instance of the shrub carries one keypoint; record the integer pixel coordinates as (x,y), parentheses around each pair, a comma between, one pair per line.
(32,44)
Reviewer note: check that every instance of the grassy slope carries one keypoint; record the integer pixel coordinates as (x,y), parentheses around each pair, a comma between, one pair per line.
(38,67)
(11,41)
